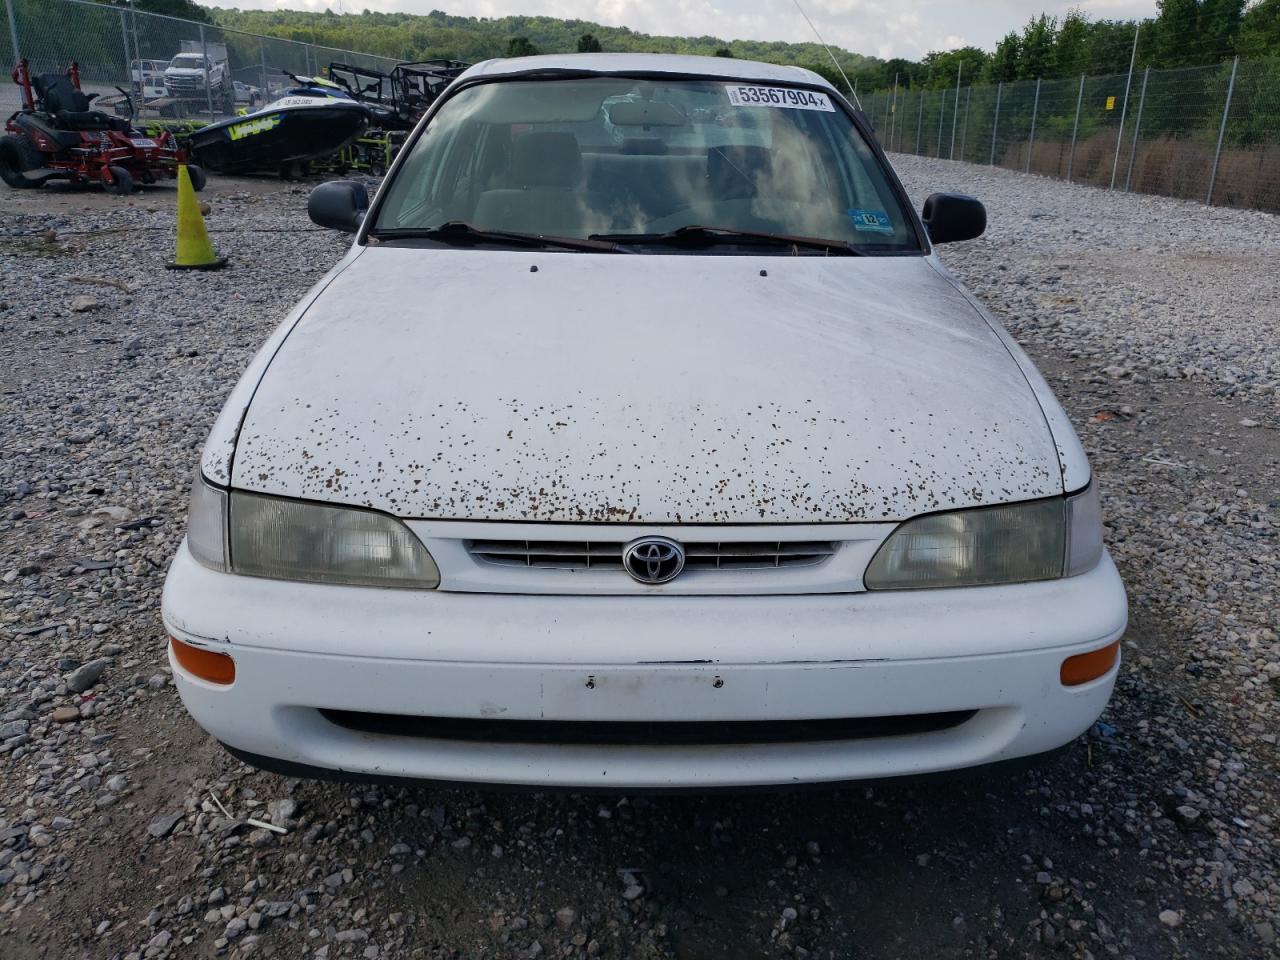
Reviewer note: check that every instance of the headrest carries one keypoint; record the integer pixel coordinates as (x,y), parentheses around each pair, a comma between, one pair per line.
(57,92)
(735,172)
(546,160)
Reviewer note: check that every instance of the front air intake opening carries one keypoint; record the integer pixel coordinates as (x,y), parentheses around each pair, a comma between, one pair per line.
(646,733)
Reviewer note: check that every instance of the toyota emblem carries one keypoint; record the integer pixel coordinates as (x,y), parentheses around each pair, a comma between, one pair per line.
(653,560)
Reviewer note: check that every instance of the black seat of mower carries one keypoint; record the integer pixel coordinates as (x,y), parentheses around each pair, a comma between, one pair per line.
(70,107)
(58,93)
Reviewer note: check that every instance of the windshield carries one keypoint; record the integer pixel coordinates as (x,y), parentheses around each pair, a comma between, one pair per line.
(188,61)
(627,158)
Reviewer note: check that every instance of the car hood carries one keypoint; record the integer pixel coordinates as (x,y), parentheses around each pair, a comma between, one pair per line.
(466,384)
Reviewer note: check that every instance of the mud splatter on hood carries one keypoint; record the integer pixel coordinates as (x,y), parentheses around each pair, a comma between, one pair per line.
(672,389)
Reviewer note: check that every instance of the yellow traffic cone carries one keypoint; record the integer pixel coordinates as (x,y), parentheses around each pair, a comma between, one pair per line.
(195,252)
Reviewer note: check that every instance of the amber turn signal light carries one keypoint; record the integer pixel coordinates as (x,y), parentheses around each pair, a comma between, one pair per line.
(205,664)
(1084,667)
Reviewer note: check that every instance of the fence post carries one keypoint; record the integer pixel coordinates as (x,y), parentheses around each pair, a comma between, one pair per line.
(955,111)
(128,59)
(1124,107)
(1222,130)
(964,127)
(893,112)
(942,114)
(1031,140)
(1075,129)
(1137,125)
(995,122)
(262,70)
(919,123)
(204,52)
(13,31)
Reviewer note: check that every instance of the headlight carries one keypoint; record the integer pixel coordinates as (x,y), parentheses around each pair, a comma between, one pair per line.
(292,540)
(207,524)
(1014,543)
(289,540)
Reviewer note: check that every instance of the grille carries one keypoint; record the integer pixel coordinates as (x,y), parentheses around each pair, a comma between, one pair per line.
(598,555)
(647,733)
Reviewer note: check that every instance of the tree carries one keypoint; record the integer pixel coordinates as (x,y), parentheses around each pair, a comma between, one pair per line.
(1219,27)
(521,47)
(185,9)
(942,66)
(588,44)
(1260,30)
(1003,65)
(1177,28)
(1035,51)
(724,52)
(1071,48)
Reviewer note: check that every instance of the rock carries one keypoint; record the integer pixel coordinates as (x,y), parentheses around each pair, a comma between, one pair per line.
(261,838)
(1171,918)
(1187,814)
(66,714)
(163,824)
(13,728)
(282,810)
(565,917)
(84,303)
(633,892)
(160,941)
(81,679)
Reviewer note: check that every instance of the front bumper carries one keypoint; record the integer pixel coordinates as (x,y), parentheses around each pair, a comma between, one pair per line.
(303,648)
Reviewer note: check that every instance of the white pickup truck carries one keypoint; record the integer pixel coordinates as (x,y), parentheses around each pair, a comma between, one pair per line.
(185,77)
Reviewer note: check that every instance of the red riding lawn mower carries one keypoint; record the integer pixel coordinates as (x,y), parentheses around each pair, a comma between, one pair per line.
(55,136)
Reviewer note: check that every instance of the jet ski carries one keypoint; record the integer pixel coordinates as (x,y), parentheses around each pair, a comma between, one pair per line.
(313,119)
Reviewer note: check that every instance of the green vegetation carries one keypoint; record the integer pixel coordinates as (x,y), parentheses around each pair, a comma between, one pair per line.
(404,36)
(1184,33)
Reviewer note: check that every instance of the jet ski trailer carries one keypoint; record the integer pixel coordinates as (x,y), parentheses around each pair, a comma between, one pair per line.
(309,121)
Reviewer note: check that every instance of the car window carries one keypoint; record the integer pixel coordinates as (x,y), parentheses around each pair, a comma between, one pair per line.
(615,155)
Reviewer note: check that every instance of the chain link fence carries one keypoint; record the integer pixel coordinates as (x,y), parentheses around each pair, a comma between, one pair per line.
(1207,133)
(169,67)
(1200,133)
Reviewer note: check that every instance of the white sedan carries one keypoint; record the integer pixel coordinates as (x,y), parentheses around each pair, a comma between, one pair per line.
(641,441)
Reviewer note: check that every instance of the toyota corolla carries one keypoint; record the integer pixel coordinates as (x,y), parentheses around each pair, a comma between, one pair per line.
(641,440)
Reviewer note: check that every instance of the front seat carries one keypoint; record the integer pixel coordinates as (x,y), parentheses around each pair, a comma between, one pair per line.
(541,192)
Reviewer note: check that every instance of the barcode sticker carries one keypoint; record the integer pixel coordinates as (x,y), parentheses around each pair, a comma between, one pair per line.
(783,97)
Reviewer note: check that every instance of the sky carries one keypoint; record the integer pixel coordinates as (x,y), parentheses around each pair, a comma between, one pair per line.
(882,28)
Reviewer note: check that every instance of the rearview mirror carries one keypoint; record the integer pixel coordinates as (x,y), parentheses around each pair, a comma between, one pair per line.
(339,205)
(953,216)
(645,113)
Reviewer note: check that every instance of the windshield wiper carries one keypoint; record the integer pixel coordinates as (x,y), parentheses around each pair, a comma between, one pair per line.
(458,231)
(699,236)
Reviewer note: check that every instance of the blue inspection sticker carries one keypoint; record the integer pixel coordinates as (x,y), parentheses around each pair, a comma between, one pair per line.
(870,221)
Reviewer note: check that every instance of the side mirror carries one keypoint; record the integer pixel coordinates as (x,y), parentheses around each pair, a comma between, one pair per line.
(953,216)
(339,205)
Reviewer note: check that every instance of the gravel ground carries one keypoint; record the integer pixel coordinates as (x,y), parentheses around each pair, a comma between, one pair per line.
(1153,837)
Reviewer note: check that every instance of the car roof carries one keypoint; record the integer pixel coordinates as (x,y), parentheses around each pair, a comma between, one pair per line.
(724,68)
